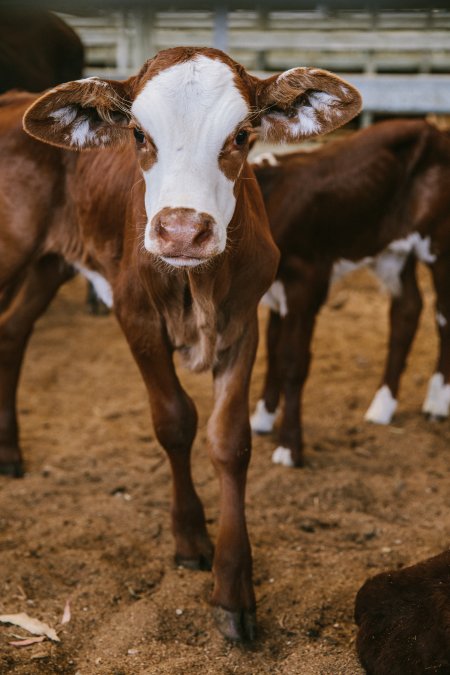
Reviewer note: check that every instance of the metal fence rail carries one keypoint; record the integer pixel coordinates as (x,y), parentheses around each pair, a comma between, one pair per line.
(398,45)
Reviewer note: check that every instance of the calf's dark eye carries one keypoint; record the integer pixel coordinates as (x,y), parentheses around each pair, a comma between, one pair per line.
(139,135)
(241,137)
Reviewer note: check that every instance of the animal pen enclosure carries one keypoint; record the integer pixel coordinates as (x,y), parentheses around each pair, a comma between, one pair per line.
(400,60)
(89,523)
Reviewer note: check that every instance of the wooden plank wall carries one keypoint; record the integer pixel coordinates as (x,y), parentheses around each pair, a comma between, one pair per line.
(404,44)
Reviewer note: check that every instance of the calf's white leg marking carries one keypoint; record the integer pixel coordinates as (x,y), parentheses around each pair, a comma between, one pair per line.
(382,408)
(282,456)
(101,287)
(275,298)
(437,400)
(262,420)
(441,320)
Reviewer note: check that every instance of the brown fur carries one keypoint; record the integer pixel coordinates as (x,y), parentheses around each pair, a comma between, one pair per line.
(350,199)
(404,620)
(37,50)
(88,208)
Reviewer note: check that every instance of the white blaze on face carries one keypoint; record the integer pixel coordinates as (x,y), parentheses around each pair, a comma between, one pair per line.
(189,110)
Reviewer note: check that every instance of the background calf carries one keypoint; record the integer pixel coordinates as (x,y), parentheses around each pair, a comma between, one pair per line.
(380,199)
(404,620)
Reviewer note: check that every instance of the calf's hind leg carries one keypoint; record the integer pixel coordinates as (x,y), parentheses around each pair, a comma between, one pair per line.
(305,295)
(20,309)
(263,419)
(404,318)
(437,401)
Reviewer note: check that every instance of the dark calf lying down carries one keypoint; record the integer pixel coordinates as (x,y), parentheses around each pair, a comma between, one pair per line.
(404,620)
(380,199)
(163,214)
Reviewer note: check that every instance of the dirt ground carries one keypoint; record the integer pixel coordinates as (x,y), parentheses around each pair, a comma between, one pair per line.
(90,521)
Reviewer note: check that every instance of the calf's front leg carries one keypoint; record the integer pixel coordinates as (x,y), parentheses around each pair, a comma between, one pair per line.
(230,447)
(19,309)
(175,423)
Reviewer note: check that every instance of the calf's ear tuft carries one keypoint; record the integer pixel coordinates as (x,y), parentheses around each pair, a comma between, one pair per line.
(304,102)
(83,114)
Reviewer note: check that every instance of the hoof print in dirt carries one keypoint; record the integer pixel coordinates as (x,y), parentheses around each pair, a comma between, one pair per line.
(237,626)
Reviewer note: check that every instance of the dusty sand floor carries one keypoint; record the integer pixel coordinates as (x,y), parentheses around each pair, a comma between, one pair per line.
(90,521)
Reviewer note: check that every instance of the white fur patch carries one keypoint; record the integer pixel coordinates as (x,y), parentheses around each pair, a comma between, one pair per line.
(306,122)
(95,79)
(388,265)
(437,401)
(266,158)
(275,298)
(262,420)
(422,248)
(189,110)
(82,133)
(322,101)
(282,456)
(382,408)
(65,116)
(343,267)
(441,320)
(101,287)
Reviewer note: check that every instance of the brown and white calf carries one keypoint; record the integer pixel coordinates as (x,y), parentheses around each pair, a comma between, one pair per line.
(164,215)
(380,198)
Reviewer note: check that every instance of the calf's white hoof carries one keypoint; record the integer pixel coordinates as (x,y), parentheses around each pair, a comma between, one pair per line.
(437,400)
(382,408)
(282,456)
(262,420)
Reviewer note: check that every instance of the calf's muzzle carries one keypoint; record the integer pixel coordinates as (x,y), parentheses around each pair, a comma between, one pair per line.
(184,233)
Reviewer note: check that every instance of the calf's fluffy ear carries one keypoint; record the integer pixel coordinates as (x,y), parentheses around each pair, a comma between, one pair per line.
(304,102)
(90,113)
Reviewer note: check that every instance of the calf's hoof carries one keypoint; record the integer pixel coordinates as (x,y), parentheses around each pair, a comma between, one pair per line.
(262,421)
(433,417)
(12,469)
(237,626)
(202,562)
(11,463)
(286,457)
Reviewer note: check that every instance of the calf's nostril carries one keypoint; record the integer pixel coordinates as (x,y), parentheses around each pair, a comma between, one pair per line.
(204,231)
(161,229)
(202,236)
